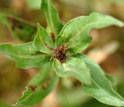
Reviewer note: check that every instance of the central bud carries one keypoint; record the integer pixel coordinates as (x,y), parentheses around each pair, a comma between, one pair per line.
(60,53)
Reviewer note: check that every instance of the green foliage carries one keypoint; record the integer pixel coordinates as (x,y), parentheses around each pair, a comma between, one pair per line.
(36,89)
(54,24)
(26,55)
(58,49)
(100,86)
(20,29)
(43,40)
(111,79)
(75,34)
(73,67)
(33,4)
(94,103)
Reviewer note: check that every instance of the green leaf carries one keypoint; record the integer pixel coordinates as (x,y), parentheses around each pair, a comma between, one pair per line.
(111,79)
(75,34)
(52,17)
(94,103)
(20,29)
(33,4)
(73,67)
(43,41)
(101,87)
(35,91)
(26,55)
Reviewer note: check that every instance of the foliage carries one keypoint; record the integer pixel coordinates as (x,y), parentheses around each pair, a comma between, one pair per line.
(20,29)
(33,5)
(57,51)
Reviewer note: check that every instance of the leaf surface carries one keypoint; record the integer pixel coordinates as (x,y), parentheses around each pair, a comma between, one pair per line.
(33,5)
(75,34)
(101,87)
(26,55)
(111,79)
(35,91)
(43,41)
(73,67)
(20,29)
(52,17)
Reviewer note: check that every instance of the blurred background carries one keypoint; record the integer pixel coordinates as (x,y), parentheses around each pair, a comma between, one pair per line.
(107,49)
